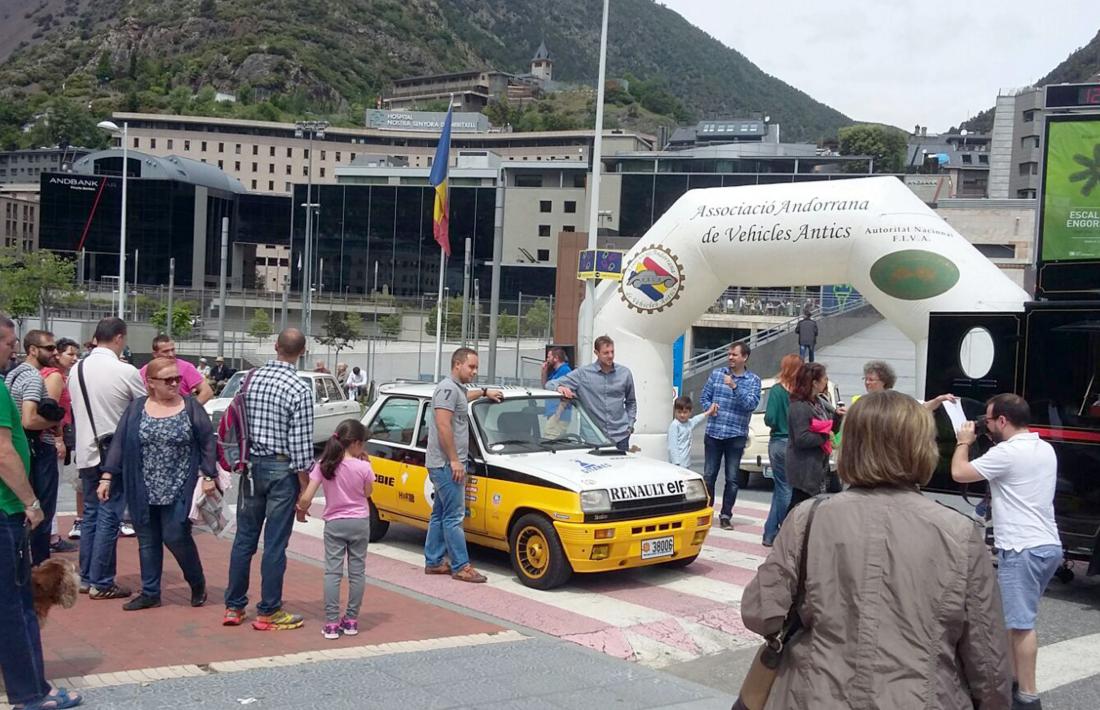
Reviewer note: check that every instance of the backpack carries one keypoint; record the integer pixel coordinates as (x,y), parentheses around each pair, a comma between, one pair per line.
(233,440)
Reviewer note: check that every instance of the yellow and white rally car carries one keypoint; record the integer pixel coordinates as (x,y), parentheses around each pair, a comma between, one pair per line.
(544,484)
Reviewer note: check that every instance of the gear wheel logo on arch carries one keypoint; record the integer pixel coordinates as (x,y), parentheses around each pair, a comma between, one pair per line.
(652,280)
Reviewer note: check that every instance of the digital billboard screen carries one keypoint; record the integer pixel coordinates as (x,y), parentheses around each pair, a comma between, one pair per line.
(1070,222)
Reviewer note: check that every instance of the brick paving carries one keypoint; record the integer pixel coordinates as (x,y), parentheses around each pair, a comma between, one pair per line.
(97,637)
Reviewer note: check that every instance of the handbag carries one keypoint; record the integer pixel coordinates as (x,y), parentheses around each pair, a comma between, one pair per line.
(758,682)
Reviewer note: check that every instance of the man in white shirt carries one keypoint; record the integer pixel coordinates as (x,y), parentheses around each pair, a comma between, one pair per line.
(111,386)
(1022,471)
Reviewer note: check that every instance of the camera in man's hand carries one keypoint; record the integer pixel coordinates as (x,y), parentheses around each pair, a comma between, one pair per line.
(50,410)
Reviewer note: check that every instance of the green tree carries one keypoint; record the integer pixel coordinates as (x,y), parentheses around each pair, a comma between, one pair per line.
(452,322)
(390,325)
(341,330)
(536,319)
(182,314)
(885,144)
(103,70)
(33,282)
(506,325)
(260,327)
(207,9)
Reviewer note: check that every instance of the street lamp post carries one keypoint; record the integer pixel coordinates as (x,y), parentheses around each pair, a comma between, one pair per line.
(112,127)
(587,315)
(313,129)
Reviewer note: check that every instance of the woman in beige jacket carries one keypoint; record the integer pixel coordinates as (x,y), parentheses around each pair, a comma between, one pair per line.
(901,607)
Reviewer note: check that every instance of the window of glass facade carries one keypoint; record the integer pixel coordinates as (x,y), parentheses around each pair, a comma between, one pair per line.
(523,180)
(543,255)
(570,206)
(359,226)
(221,147)
(544,205)
(544,230)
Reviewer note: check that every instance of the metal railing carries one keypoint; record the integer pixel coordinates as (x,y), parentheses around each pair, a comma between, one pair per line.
(712,358)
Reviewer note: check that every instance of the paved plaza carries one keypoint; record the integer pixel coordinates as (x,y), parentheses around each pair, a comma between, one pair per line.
(640,638)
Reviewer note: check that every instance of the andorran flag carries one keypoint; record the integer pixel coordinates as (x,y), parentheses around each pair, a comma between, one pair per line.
(438,180)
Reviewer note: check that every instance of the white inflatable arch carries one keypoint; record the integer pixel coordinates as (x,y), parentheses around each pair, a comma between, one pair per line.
(873,233)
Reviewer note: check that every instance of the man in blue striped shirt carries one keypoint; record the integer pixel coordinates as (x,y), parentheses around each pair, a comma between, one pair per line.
(736,391)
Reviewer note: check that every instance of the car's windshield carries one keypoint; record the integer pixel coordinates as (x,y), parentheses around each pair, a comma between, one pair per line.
(234,384)
(536,423)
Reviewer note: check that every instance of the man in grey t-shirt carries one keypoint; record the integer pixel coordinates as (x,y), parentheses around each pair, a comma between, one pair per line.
(28,389)
(448,452)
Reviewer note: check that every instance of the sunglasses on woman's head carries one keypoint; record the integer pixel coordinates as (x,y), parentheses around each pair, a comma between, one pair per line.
(171,381)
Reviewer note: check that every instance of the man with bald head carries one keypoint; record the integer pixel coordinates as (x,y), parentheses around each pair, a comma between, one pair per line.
(279,411)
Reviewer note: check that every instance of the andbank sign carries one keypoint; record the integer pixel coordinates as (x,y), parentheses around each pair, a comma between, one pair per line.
(426,121)
(76,183)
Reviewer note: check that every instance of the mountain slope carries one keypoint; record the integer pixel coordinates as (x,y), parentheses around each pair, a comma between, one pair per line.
(337,56)
(1080,66)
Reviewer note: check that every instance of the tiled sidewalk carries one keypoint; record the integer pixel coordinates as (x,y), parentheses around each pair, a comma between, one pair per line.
(97,637)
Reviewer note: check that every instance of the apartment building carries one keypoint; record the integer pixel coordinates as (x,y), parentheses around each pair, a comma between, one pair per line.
(19,212)
(269,157)
(25,166)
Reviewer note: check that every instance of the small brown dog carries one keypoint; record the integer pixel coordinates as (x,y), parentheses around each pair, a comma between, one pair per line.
(56,583)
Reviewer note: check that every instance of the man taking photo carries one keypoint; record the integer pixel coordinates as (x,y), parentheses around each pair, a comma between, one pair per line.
(1022,471)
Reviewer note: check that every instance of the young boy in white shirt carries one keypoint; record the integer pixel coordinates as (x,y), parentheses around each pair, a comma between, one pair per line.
(679,431)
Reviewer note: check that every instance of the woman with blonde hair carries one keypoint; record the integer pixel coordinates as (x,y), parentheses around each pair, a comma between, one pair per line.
(775,417)
(897,600)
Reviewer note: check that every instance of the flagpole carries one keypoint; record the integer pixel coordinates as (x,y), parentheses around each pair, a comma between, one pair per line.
(439,317)
(445,153)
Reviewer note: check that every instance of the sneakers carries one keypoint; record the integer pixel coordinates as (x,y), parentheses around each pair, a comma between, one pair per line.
(234,617)
(141,602)
(350,627)
(331,631)
(85,588)
(725,523)
(74,534)
(469,574)
(112,592)
(62,545)
(126,530)
(279,621)
(443,567)
(766,543)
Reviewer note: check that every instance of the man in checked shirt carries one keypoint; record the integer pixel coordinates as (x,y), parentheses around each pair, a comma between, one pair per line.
(279,411)
(736,391)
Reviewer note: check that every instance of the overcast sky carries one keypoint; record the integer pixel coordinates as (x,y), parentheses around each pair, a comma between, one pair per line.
(932,63)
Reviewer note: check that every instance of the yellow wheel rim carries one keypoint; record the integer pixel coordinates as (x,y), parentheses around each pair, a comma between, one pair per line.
(532,552)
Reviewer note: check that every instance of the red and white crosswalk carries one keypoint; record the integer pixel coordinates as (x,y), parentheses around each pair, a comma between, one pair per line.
(654,615)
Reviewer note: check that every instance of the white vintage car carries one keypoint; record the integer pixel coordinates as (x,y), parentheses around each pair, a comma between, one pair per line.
(755,460)
(330,404)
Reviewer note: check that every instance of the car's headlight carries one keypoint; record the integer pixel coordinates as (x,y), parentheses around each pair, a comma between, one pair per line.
(595,501)
(695,490)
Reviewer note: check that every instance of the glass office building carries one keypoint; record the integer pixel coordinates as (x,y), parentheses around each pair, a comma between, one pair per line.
(378,238)
(174,210)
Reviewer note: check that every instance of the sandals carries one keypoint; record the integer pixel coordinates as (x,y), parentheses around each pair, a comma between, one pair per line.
(63,699)
(469,574)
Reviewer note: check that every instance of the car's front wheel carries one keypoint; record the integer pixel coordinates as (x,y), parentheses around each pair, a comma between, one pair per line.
(378,526)
(537,554)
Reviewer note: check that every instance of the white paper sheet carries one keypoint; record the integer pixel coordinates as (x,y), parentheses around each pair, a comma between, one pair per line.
(955,414)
